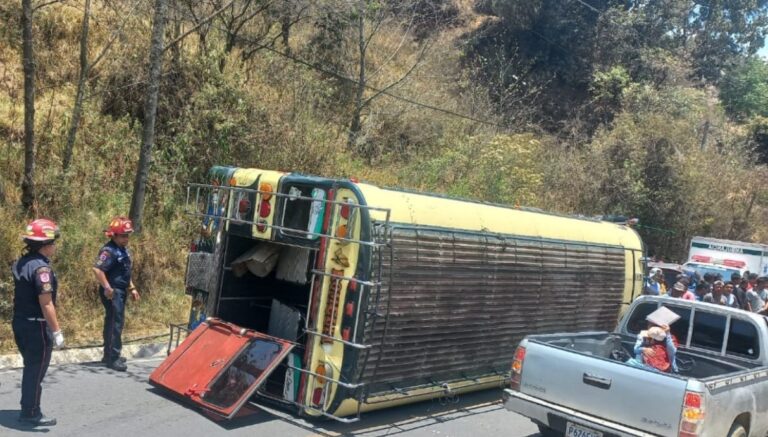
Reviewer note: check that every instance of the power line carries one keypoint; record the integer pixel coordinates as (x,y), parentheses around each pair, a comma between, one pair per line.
(594,9)
(372,88)
(384,91)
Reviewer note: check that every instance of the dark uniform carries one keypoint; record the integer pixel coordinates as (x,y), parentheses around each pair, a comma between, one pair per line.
(32,276)
(115,262)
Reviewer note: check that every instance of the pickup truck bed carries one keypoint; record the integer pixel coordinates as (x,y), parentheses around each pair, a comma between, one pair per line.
(618,347)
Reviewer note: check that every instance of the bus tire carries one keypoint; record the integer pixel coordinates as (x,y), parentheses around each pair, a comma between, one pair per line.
(737,430)
(546,431)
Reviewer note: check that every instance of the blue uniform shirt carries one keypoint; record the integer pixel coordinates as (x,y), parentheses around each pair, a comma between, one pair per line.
(115,262)
(32,277)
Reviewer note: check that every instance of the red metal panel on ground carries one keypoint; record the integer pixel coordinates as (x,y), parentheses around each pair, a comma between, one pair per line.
(220,365)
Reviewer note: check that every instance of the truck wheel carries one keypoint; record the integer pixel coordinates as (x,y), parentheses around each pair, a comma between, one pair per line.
(546,431)
(737,430)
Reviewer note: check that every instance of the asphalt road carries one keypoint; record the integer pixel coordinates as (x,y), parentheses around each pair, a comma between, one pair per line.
(91,400)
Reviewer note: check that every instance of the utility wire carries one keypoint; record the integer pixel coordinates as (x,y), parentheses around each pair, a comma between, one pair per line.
(345,78)
(594,9)
(337,75)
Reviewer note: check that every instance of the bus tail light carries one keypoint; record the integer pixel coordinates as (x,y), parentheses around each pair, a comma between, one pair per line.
(517,368)
(266,191)
(243,206)
(321,384)
(692,416)
(261,225)
(265,209)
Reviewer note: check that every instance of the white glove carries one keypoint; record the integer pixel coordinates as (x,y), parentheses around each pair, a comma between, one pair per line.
(58,339)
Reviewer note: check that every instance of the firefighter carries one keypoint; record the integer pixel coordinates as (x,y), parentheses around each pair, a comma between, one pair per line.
(35,325)
(113,273)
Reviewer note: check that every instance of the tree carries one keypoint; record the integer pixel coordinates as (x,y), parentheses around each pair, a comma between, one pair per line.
(85,68)
(722,32)
(28,60)
(150,113)
(367,19)
(82,78)
(744,90)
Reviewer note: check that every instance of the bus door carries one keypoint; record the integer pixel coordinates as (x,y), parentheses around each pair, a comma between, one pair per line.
(220,366)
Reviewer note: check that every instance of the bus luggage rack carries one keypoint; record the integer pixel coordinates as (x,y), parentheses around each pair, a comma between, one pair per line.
(200,197)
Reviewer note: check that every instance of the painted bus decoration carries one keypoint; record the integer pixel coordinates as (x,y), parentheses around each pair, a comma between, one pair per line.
(333,297)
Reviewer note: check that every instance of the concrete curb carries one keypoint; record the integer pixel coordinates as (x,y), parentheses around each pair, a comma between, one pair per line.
(93,354)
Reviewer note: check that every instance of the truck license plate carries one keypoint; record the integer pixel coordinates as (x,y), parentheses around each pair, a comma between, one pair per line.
(573,430)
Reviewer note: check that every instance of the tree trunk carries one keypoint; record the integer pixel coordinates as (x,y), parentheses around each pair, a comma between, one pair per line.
(355,125)
(77,110)
(28,54)
(150,112)
(285,30)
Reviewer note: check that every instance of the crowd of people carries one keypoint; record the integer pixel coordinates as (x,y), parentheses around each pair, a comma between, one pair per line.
(748,292)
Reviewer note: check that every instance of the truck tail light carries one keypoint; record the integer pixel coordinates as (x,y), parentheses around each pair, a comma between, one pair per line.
(517,368)
(692,417)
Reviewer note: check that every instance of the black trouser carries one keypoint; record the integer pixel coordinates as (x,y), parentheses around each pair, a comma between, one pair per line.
(35,346)
(114,318)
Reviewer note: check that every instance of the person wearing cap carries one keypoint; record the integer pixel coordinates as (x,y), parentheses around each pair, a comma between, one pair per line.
(655,349)
(654,285)
(36,328)
(113,273)
(680,291)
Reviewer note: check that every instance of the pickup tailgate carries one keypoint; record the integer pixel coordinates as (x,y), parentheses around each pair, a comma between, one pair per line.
(637,398)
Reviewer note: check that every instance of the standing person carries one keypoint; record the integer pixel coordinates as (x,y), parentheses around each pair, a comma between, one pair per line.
(758,296)
(113,272)
(739,291)
(752,281)
(35,325)
(654,285)
(701,290)
(730,298)
(680,291)
(716,295)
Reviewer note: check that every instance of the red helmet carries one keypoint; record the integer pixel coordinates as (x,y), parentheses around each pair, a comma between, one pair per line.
(41,230)
(119,226)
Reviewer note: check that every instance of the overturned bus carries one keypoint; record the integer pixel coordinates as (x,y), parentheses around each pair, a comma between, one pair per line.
(335,297)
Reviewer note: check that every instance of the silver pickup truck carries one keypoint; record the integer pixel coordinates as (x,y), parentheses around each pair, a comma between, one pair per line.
(579,385)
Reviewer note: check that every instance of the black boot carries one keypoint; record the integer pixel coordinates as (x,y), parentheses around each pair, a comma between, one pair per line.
(38,419)
(118,365)
(121,359)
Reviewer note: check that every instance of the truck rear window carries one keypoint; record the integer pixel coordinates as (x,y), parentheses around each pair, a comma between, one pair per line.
(708,331)
(742,339)
(637,321)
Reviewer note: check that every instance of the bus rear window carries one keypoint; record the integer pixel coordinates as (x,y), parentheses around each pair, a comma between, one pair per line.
(303,210)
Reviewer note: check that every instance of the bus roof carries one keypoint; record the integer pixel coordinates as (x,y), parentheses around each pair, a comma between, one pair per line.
(439,211)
